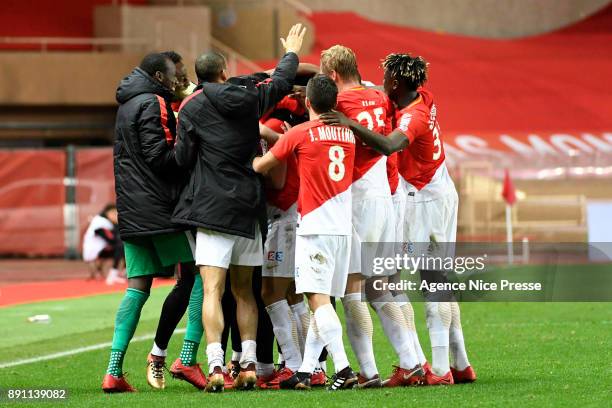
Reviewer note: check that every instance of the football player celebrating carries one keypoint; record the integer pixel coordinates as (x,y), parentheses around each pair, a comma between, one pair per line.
(373,220)
(325,158)
(432,201)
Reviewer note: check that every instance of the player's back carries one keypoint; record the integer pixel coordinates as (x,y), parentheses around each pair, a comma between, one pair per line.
(371,108)
(325,156)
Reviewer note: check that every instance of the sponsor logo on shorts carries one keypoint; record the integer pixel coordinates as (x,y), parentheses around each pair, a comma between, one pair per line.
(277,256)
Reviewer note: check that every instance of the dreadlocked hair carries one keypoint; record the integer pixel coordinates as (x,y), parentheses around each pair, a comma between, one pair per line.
(404,67)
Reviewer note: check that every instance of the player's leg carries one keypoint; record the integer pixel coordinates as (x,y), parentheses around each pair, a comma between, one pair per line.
(382,235)
(301,314)
(142,264)
(212,254)
(230,332)
(321,271)
(277,278)
(247,254)
(402,300)
(274,293)
(172,311)
(359,328)
(438,309)
(265,333)
(246,317)
(461,369)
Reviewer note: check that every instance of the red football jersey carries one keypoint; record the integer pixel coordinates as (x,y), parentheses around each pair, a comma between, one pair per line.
(287,196)
(325,156)
(419,162)
(373,109)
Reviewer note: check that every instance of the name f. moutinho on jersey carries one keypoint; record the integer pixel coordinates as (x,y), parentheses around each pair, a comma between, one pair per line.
(332,133)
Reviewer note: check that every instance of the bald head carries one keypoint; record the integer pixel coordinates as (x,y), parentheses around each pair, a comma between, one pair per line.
(209,67)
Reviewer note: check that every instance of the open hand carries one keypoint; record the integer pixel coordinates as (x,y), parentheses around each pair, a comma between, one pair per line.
(335,118)
(293,42)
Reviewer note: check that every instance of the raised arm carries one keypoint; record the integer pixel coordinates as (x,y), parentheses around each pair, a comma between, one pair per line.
(281,82)
(390,144)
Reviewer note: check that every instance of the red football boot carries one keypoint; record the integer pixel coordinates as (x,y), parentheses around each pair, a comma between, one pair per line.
(318,379)
(216,380)
(268,382)
(373,382)
(229,379)
(192,374)
(247,378)
(467,375)
(112,384)
(402,377)
(432,379)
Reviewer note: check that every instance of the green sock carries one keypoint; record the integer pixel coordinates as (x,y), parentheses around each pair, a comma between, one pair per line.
(189,353)
(195,330)
(125,326)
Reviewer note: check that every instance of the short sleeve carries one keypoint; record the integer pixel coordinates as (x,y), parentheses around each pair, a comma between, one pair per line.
(286,145)
(411,126)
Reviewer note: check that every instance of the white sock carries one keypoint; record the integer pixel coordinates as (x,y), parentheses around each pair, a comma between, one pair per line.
(281,359)
(438,321)
(156,351)
(214,354)
(457,344)
(264,369)
(323,365)
(236,355)
(406,308)
(395,327)
(312,350)
(285,331)
(359,330)
(301,315)
(249,353)
(330,331)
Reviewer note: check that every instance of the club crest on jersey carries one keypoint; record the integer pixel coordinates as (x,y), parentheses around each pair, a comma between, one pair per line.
(405,121)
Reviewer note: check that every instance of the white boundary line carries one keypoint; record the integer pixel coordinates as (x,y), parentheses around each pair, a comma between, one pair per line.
(78,350)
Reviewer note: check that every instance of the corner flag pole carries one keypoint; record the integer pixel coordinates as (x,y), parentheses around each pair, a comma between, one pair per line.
(509,234)
(509,195)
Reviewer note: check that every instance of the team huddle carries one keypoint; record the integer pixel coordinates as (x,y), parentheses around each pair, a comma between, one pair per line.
(261,192)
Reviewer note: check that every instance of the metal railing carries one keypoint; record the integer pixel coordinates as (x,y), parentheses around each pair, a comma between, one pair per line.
(45,42)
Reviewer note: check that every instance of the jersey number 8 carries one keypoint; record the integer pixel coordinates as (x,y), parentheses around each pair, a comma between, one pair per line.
(336,167)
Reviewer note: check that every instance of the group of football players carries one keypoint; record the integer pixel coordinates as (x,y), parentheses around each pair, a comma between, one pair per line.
(343,163)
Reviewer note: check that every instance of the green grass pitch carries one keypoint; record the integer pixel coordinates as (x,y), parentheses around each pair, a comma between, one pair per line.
(525,354)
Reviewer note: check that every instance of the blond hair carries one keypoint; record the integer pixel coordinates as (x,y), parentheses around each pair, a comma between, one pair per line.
(340,59)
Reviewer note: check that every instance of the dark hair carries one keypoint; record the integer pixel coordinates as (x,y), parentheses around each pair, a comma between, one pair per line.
(209,66)
(107,208)
(173,55)
(411,71)
(321,91)
(154,62)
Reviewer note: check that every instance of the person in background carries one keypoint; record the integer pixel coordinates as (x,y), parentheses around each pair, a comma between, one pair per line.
(101,242)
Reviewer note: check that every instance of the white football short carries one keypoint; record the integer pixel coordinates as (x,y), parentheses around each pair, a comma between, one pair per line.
(399,205)
(321,264)
(431,221)
(219,249)
(373,221)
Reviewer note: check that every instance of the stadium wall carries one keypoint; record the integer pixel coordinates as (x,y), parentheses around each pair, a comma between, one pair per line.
(480,18)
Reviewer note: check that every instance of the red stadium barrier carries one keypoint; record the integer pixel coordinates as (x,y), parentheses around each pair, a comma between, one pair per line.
(95,183)
(32,198)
